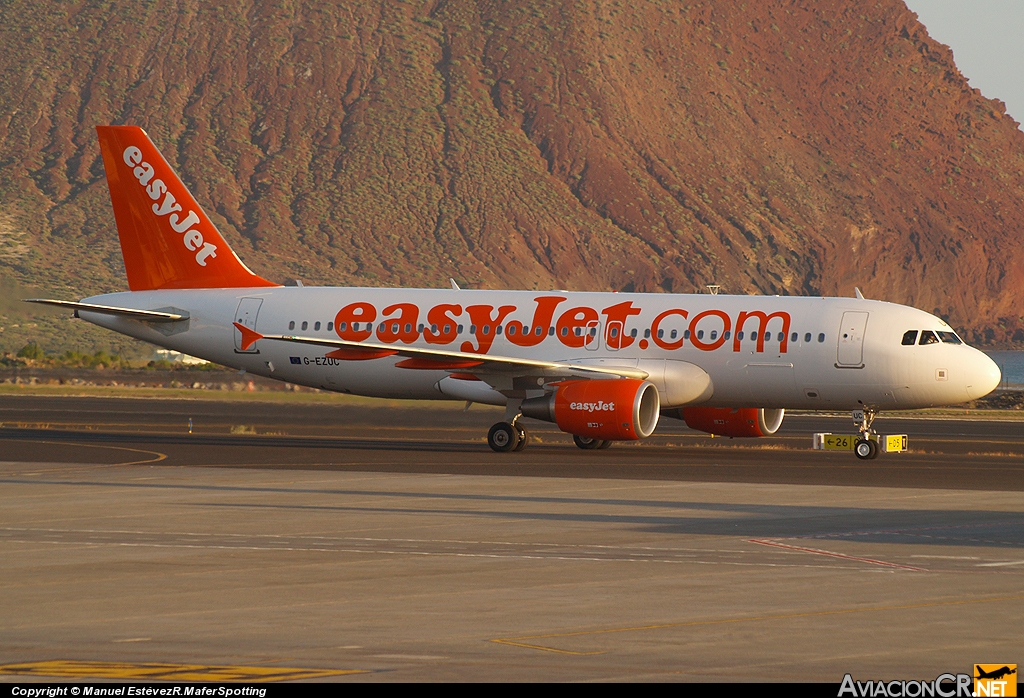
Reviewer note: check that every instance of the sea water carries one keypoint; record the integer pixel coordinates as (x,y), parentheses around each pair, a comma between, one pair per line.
(1011,363)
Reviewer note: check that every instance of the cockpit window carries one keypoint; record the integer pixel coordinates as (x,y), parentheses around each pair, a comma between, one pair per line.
(910,338)
(949,338)
(928,337)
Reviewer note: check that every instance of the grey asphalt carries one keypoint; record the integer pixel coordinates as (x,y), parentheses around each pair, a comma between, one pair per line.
(394,542)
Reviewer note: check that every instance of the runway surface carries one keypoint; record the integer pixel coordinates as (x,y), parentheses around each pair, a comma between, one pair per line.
(393,542)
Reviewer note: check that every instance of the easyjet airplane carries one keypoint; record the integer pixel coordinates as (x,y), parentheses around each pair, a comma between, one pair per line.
(604,367)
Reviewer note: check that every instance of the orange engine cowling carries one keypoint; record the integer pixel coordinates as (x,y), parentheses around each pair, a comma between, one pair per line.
(623,409)
(727,421)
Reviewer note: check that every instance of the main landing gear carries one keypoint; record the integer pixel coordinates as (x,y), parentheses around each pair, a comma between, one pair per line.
(589,444)
(507,436)
(866,447)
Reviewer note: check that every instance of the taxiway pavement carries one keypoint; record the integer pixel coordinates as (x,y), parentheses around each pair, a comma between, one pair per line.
(392,541)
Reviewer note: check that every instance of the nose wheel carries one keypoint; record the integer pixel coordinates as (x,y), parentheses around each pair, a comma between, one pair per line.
(866,449)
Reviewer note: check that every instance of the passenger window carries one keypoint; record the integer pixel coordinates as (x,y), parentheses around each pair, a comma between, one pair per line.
(330,327)
(807,337)
(739,335)
(794,337)
(317,326)
(949,338)
(673,334)
(821,338)
(497,330)
(632,333)
(714,334)
(661,333)
(753,336)
(420,327)
(767,336)
(700,334)
(910,338)
(512,329)
(551,331)
(727,334)
(460,329)
(305,324)
(291,325)
(928,337)
(686,334)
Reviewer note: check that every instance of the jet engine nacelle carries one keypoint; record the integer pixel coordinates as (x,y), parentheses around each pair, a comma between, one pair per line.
(726,421)
(614,410)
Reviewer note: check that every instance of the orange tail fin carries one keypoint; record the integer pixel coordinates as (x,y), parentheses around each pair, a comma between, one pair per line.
(167,239)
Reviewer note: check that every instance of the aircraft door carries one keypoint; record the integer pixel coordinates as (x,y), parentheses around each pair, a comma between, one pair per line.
(850,353)
(592,340)
(248,309)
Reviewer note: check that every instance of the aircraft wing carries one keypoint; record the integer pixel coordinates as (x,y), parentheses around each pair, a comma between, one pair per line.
(442,359)
(147,315)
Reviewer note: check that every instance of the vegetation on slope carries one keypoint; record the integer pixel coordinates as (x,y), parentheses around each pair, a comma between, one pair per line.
(794,148)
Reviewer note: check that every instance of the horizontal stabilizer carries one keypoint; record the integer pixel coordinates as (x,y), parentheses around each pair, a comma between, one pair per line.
(133,313)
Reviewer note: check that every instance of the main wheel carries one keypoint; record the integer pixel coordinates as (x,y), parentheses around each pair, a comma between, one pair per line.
(587,443)
(865,450)
(606,444)
(503,437)
(524,438)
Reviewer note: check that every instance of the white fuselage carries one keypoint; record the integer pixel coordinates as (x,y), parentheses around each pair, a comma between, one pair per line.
(795,352)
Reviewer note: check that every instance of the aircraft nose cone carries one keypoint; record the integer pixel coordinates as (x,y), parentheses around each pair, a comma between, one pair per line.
(982,375)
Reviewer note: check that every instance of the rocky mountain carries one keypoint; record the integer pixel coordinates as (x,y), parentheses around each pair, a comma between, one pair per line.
(788,146)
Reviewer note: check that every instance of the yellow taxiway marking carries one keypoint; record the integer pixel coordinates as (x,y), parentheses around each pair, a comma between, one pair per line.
(521,641)
(153,671)
(159,456)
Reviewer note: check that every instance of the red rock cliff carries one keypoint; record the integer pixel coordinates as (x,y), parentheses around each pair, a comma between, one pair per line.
(776,147)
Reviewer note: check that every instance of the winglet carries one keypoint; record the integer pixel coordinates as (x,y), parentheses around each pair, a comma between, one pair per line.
(249,337)
(859,294)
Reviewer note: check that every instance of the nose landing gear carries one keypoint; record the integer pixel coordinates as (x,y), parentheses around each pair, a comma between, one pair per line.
(866,447)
